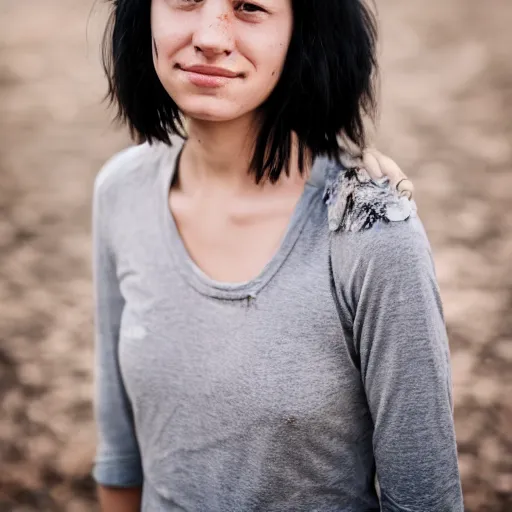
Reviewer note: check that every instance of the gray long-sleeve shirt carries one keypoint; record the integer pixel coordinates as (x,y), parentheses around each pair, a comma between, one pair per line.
(289,392)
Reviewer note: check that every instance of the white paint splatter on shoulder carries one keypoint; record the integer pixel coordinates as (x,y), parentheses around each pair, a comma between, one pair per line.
(355,201)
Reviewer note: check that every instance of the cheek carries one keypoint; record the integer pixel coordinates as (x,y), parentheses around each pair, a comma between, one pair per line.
(169,32)
(270,52)
(271,58)
(266,55)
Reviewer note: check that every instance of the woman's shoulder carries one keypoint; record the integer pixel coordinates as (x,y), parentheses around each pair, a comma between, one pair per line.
(126,168)
(356,202)
(369,220)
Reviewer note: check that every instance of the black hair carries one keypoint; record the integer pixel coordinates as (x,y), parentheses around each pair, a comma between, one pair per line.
(325,90)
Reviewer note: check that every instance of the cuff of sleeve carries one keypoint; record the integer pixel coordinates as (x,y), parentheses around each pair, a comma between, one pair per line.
(124,472)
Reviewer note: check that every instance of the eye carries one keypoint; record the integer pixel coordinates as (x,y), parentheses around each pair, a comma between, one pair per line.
(189,3)
(249,7)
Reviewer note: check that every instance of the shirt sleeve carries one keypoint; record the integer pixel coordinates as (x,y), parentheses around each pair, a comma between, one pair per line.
(118,462)
(385,279)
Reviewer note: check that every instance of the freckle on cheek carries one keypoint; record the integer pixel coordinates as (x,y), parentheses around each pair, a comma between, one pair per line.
(224,18)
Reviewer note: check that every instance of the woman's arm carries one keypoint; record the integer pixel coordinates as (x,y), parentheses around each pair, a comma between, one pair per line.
(119,500)
(387,278)
(118,462)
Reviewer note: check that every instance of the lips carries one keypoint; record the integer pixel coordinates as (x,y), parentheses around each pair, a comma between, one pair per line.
(209,77)
(210,71)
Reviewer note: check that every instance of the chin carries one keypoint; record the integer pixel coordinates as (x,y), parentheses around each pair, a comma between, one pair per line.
(212,109)
(207,115)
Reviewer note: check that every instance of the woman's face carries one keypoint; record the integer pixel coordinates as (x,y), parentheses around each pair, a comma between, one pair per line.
(220,59)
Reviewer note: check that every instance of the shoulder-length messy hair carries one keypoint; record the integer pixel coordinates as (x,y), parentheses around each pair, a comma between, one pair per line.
(326,87)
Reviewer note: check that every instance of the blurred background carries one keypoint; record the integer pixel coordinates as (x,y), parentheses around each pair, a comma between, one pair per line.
(446,117)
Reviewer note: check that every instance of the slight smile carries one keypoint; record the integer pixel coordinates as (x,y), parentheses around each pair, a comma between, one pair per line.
(208,76)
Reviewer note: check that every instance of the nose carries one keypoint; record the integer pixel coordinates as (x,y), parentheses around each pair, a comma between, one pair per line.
(213,35)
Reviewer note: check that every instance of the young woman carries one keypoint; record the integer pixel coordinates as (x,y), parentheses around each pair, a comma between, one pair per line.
(269,329)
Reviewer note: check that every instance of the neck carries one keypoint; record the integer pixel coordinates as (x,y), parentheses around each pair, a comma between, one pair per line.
(218,154)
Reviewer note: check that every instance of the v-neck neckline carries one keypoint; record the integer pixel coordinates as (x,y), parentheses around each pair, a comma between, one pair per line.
(193,274)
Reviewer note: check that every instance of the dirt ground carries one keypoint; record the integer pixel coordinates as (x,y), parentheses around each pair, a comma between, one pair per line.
(446,117)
